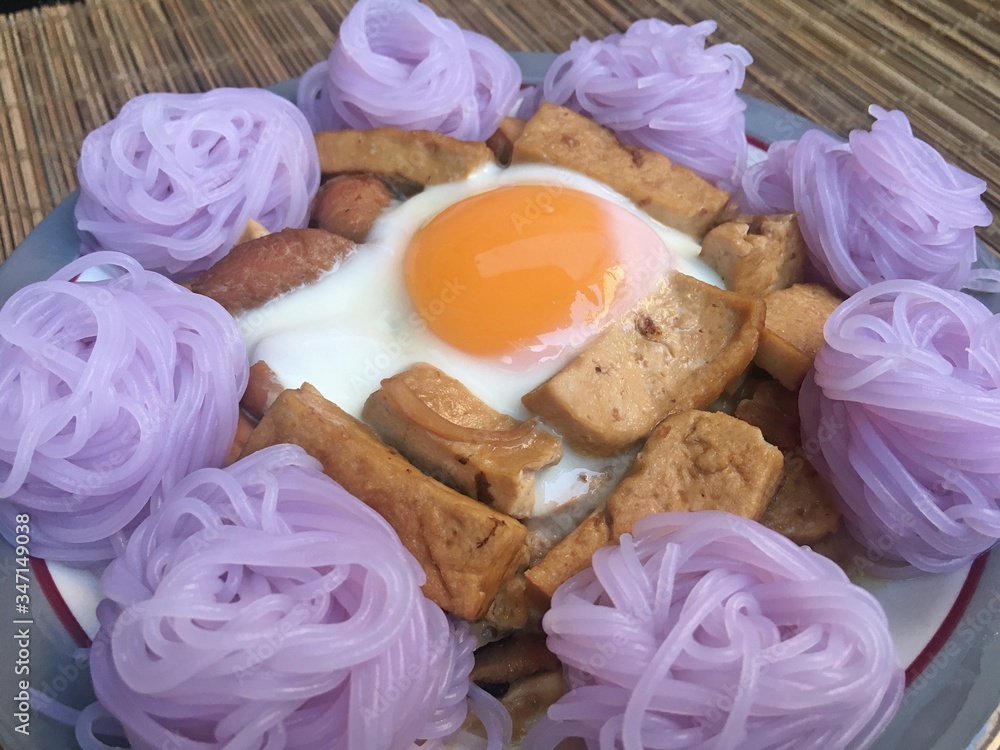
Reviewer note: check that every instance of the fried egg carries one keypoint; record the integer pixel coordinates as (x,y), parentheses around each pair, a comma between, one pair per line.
(497,280)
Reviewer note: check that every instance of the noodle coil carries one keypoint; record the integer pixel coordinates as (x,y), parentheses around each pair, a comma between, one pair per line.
(174,178)
(262,606)
(706,629)
(110,392)
(901,414)
(397,64)
(884,206)
(658,86)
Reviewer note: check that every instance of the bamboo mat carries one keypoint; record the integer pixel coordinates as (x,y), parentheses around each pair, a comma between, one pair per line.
(66,69)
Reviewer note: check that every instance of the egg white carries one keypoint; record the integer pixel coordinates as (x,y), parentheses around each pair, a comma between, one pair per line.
(357,325)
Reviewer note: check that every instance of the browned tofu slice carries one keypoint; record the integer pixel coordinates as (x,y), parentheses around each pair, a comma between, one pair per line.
(349,204)
(501,143)
(678,350)
(419,156)
(267,267)
(694,460)
(804,509)
(244,428)
(466,549)
(774,410)
(451,434)
(756,254)
(698,460)
(567,558)
(669,193)
(793,332)
(509,610)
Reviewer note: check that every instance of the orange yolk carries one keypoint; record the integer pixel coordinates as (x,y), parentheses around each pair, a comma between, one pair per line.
(493,273)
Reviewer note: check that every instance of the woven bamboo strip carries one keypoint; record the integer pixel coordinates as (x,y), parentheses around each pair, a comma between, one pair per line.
(66,69)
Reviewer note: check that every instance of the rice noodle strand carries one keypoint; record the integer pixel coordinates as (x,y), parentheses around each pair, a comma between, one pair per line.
(262,606)
(110,392)
(708,630)
(658,86)
(396,63)
(174,178)
(902,416)
(884,206)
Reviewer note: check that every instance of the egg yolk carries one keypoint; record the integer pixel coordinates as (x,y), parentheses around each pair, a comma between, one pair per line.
(505,269)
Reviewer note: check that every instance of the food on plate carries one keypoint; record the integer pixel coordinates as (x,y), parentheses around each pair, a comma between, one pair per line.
(173,179)
(252,231)
(263,389)
(705,629)
(349,204)
(676,350)
(263,606)
(658,86)
(670,193)
(572,285)
(452,435)
(244,427)
(497,280)
(466,549)
(531,285)
(422,157)
(697,460)
(530,697)
(793,331)
(501,143)
(886,205)
(398,64)
(513,659)
(111,391)
(264,268)
(756,254)
(771,408)
(524,673)
(804,508)
(694,460)
(901,415)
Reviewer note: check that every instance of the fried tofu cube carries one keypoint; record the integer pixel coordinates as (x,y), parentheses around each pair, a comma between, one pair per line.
(501,143)
(693,460)
(244,428)
(448,432)
(419,156)
(670,193)
(677,350)
(756,254)
(568,558)
(793,331)
(804,508)
(698,460)
(467,550)
(774,410)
